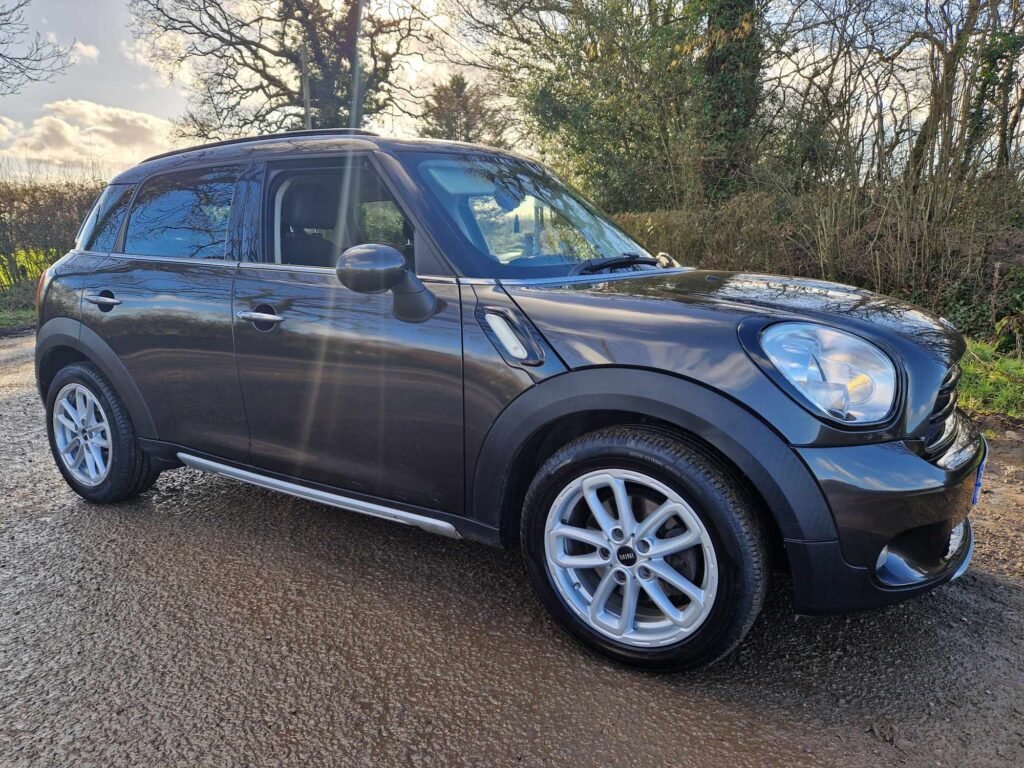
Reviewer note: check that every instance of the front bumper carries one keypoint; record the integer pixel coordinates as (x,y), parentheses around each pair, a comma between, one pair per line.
(895,513)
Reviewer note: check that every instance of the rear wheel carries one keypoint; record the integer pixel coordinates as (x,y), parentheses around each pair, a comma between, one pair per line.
(645,548)
(92,438)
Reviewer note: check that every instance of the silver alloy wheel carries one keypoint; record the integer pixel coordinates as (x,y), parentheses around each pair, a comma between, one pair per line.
(631,558)
(82,433)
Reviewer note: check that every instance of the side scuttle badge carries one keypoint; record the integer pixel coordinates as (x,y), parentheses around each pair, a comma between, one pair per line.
(506,336)
(511,336)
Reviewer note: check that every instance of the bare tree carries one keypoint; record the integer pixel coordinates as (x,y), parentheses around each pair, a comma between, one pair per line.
(24,58)
(244,59)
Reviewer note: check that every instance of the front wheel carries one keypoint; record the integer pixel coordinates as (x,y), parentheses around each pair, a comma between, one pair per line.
(645,548)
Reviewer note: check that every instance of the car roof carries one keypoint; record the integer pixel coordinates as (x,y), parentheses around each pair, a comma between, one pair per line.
(290,143)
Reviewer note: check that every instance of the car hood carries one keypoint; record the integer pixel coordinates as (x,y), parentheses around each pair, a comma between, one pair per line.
(685,321)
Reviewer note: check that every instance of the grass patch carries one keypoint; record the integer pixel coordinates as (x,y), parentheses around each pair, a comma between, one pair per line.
(16,318)
(17,305)
(992,382)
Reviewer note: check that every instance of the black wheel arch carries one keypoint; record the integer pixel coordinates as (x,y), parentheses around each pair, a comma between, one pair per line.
(559,409)
(62,340)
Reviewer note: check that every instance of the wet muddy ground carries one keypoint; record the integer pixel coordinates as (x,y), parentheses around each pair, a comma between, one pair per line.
(212,623)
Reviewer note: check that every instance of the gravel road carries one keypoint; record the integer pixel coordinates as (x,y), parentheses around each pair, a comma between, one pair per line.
(212,623)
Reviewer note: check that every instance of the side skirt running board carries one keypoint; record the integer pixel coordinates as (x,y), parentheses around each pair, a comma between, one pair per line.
(323,497)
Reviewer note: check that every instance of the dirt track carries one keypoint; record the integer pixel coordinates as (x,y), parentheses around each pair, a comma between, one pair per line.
(211,623)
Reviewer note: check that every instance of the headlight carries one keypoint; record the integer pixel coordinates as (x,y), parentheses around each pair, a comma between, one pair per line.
(842,375)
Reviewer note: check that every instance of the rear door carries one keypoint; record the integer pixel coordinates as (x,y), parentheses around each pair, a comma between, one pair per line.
(96,238)
(338,390)
(162,302)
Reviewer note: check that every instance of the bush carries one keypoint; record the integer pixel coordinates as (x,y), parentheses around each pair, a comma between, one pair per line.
(967,265)
(39,218)
(741,234)
(17,305)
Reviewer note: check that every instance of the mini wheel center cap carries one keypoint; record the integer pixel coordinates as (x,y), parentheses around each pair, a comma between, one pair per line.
(626,556)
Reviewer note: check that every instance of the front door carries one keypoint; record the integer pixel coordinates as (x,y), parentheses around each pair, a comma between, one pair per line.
(163,305)
(337,390)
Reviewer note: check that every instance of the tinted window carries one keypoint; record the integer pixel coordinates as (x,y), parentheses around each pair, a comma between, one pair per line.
(100,230)
(183,214)
(383,222)
(315,215)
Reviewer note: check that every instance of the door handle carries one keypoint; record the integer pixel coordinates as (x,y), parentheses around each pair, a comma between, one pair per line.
(259,317)
(103,301)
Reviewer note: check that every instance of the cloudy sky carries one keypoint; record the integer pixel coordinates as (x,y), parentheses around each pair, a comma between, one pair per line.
(109,109)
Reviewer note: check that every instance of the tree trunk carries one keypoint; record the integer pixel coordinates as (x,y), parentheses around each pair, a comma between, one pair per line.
(732,69)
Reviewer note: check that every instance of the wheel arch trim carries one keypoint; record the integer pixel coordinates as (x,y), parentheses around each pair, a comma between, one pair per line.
(777,473)
(66,332)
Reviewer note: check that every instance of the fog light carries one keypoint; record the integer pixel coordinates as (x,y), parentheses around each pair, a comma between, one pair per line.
(956,538)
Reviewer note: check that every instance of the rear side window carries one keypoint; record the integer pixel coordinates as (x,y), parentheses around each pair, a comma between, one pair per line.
(184,214)
(100,229)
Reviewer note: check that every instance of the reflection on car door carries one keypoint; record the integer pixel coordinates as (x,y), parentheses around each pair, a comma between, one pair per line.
(338,391)
(163,304)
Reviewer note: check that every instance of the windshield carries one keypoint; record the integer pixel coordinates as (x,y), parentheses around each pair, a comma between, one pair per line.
(516,218)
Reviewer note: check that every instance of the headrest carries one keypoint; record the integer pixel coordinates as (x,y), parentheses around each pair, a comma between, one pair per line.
(309,205)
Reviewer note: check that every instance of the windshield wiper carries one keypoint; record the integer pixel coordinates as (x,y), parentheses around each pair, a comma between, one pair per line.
(611,262)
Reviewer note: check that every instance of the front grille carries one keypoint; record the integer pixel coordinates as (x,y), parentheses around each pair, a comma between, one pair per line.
(941,427)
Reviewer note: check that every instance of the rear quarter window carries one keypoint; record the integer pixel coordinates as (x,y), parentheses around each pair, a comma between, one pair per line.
(103,224)
(183,215)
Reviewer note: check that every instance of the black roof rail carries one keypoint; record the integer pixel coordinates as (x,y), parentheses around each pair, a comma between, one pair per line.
(267,136)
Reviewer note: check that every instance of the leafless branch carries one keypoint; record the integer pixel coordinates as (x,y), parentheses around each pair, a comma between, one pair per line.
(25,58)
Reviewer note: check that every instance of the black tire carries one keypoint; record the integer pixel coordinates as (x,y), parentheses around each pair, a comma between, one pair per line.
(130,471)
(721,501)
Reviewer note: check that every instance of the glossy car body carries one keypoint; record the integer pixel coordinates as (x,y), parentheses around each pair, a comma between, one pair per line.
(432,422)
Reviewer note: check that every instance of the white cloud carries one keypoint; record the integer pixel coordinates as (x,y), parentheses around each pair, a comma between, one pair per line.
(74,131)
(133,50)
(133,53)
(8,127)
(80,51)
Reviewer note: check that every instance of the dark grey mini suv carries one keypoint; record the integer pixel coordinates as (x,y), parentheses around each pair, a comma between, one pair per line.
(447,336)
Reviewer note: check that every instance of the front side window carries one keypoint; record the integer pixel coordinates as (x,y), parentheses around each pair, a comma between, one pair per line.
(517,219)
(183,214)
(318,213)
(102,226)
(383,222)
